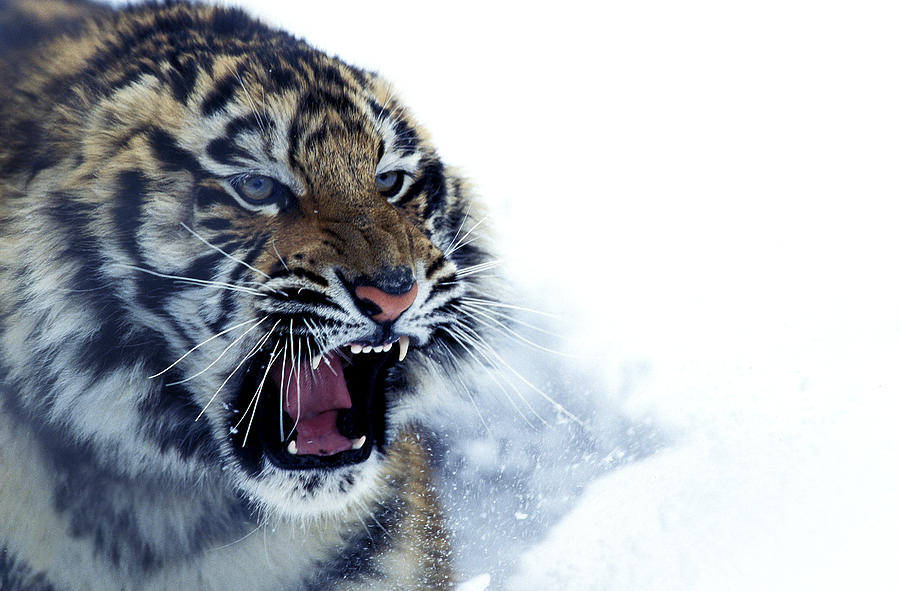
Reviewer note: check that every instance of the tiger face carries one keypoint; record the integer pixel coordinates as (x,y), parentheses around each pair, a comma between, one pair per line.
(259,254)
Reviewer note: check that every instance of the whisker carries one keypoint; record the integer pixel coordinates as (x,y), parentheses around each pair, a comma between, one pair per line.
(509,306)
(504,316)
(216,248)
(241,539)
(362,521)
(459,244)
(258,394)
(295,370)
(490,374)
(283,264)
(559,407)
(259,121)
(462,224)
(222,354)
(195,347)
(193,280)
(451,356)
(253,350)
(497,324)
(281,389)
(471,270)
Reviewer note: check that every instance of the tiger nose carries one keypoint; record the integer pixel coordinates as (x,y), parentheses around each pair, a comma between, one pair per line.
(382,306)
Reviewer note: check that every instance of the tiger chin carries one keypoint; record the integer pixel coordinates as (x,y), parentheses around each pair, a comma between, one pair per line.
(233,273)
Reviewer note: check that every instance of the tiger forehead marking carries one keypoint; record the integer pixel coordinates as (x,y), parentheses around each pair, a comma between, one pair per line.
(232,271)
(317,130)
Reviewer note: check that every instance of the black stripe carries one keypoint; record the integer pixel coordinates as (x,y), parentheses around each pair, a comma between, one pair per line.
(314,277)
(239,125)
(231,299)
(219,96)
(316,137)
(171,421)
(131,191)
(307,297)
(215,224)
(170,154)
(432,184)
(225,151)
(294,140)
(311,103)
(202,267)
(207,197)
(437,264)
(357,556)
(435,188)
(183,76)
(407,139)
(283,79)
(17,576)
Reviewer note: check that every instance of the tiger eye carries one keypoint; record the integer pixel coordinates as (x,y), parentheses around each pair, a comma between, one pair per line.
(255,188)
(389,183)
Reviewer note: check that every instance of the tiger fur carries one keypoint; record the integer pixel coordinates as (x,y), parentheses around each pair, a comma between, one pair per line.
(196,208)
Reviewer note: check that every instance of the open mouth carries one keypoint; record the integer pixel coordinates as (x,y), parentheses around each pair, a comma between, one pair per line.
(325,411)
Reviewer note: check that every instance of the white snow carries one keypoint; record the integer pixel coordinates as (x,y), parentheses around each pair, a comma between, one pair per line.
(706,193)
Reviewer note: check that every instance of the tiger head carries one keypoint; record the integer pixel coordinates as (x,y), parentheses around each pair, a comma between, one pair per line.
(250,258)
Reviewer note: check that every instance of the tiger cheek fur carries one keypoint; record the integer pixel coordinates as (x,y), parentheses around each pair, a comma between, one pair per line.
(230,267)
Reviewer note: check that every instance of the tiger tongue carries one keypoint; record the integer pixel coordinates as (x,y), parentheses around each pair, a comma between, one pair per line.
(312,398)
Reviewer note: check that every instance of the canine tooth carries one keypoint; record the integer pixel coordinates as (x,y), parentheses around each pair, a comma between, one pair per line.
(388,347)
(316,361)
(367,349)
(403,343)
(354,348)
(292,447)
(378,349)
(358,443)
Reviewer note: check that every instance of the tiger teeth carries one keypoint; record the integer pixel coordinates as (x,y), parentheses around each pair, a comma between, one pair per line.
(292,447)
(358,443)
(403,342)
(316,361)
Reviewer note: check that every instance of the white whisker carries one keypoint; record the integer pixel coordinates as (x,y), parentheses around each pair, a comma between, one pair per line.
(460,244)
(559,407)
(203,282)
(471,270)
(283,264)
(222,354)
(216,248)
(509,306)
(253,350)
(478,358)
(484,317)
(195,347)
(258,394)
(281,397)
(461,383)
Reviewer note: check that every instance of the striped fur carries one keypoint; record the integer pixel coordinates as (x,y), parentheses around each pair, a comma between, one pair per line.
(126,243)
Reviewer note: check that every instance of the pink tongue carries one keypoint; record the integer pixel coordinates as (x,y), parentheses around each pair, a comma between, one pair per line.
(313,398)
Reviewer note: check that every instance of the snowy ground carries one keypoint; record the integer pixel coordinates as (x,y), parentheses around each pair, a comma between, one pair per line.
(704,193)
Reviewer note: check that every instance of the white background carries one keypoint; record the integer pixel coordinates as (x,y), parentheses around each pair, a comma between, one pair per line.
(705,193)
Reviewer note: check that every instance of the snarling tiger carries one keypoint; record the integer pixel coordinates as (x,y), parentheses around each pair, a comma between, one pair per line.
(231,272)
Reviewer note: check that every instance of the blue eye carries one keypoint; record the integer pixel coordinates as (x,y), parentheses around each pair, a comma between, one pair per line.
(389,183)
(257,189)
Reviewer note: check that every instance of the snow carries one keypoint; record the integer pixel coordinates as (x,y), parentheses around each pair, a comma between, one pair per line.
(704,194)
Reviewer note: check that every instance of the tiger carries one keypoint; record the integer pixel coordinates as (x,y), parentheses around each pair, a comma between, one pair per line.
(233,271)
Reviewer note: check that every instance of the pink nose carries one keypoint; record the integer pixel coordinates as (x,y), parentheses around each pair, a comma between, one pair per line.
(390,306)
